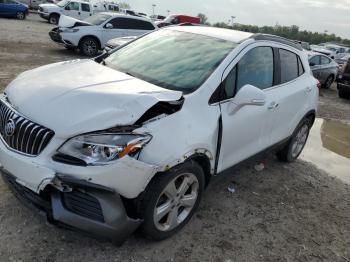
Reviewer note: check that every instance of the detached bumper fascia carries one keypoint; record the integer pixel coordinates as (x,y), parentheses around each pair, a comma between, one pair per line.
(114,223)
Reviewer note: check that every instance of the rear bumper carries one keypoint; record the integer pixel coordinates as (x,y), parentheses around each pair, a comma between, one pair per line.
(82,206)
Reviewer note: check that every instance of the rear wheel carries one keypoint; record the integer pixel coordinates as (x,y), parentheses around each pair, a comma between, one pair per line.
(170,200)
(89,46)
(296,144)
(53,19)
(343,94)
(329,82)
(21,15)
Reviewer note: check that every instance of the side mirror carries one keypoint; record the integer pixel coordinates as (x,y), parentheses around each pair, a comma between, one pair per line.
(109,26)
(248,95)
(312,64)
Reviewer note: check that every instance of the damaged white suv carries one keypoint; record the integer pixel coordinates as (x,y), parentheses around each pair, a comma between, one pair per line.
(133,139)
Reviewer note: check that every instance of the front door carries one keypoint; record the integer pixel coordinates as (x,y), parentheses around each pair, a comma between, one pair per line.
(85,11)
(245,131)
(114,32)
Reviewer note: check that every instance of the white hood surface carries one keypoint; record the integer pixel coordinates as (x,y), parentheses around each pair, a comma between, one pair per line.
(67,21)
(80,96)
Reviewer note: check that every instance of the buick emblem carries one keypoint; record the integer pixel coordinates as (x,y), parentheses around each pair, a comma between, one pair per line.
(10,127)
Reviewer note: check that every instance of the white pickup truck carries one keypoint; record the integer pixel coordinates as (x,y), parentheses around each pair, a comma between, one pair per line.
(76,8)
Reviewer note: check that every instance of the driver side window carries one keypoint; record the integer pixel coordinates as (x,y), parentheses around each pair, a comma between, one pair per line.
(74,6)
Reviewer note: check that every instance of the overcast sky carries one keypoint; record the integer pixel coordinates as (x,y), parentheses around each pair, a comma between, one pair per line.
(314,15)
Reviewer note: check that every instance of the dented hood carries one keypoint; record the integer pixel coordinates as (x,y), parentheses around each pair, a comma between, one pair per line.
(81,96)
(67,21)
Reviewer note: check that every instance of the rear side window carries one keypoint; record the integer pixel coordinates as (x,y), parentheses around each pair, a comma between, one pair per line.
(85,7)
(289,66)
(325,60)
(256,68)
(133,24)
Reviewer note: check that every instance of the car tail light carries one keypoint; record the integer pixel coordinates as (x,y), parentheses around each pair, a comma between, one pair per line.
(318,83)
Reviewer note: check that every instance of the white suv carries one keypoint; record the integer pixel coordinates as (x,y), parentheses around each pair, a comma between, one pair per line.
(93,33)
(134,139)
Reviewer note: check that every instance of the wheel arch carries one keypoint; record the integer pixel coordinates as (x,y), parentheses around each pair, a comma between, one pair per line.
(92,36)
(310,115)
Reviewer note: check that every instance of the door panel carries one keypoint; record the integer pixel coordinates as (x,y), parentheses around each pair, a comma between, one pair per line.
(116,31)
(72,10)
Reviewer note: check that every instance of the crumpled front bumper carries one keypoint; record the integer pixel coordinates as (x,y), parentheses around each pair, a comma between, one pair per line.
(82,205)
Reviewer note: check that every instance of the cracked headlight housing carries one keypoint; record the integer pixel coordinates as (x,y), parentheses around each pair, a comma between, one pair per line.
(102,149)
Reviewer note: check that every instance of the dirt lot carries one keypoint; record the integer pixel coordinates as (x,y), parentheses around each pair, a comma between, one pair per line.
(290,212)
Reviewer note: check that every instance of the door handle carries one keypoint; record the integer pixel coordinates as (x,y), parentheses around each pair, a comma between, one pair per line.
(273,105)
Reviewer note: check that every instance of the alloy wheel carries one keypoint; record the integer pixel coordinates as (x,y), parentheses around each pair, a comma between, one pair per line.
(176,202)
(90,47)
(300,140)
(20,15)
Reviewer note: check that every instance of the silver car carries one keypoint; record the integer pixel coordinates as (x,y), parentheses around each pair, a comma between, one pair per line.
(323,68)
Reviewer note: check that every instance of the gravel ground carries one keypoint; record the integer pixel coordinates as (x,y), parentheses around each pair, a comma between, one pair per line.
(292,212)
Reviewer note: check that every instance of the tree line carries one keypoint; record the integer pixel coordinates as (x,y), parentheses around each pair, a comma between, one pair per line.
(291,32)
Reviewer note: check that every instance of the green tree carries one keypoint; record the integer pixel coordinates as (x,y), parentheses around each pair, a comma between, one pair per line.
(203,18)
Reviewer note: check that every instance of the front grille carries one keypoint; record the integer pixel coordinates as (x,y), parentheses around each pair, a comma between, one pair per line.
(84,205)
(21,134)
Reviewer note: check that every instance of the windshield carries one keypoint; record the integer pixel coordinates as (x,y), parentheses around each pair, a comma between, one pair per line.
(62,3)
(171,59)
(97,19)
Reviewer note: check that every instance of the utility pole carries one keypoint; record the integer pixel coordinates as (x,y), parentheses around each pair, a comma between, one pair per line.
(153,7)
(168,12)
(232,19)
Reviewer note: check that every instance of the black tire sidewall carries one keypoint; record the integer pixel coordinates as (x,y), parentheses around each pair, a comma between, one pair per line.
(153,192)
(289,156)
(326,83)
(24,16)
(54,16)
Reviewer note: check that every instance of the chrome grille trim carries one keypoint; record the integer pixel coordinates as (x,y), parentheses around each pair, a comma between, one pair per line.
(29,138)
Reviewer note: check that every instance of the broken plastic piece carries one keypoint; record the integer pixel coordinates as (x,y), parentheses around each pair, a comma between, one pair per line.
(259,167)
(231,188)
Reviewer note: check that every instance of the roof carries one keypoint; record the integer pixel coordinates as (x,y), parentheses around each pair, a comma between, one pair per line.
(234,35)
(221,33)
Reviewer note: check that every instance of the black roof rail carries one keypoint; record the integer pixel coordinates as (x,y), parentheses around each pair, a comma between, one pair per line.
(278,39)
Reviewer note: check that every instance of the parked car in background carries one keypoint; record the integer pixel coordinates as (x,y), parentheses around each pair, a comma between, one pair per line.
(178,19)
(93,33)
(78,9)
(343,81)
(157,17)
(133,140)
(32,4)
(119,41)
(323,68)
(12,8)
(342,61)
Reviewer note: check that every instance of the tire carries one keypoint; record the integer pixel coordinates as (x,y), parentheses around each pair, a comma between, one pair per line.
(89,46)
(54,18)
(170,190)
(21,15)
(329,82)
(343,94)
(296,144)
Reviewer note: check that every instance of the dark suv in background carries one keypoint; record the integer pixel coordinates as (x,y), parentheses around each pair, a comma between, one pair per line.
(344,81)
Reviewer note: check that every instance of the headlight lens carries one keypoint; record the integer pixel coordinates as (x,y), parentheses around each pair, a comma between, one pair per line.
(101,149)
(70,30)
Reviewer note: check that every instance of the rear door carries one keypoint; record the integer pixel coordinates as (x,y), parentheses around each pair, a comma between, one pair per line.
(326,68)
(315,65)
(85,11)
(290,97)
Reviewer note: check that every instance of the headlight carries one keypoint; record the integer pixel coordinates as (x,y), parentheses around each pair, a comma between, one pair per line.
(100,149)
(70,30)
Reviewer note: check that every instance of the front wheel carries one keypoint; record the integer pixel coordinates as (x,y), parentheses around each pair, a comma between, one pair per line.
(171,199)
(296,144)
(53,19)
(21,15)
(89,46)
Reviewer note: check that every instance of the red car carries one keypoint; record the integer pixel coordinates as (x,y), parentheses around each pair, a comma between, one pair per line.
(179,19)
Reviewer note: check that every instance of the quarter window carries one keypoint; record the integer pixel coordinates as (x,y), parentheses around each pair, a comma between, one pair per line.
(256,68)
(289,66)
(300,67)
